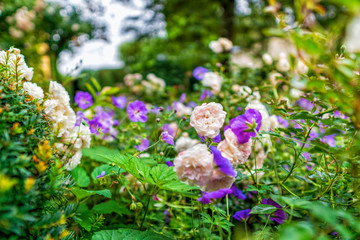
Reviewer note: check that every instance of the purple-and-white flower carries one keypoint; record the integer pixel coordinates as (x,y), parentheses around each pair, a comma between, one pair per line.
(144,144)
(199,72)
(83,99)
(168,138)
(245,126)
(119,102)
(137,111)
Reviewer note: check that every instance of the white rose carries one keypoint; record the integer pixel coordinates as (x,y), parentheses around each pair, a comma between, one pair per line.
(301,67)
(219,180)
(212,80)
(216,46)
(232,150)
(267,58)
(207,119)
(182,110)
(73,161)
(57,91)
(225,43)
(195,165)
(29,74)
(79,137)
(183,143)
(283,65)
(34,90)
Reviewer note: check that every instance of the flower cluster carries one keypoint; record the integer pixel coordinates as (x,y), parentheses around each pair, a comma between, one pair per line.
(72,138)
(15,64)
(213,170)
(221,45)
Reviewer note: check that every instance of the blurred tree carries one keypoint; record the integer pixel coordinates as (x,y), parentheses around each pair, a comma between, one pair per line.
(44,29)
(179,32)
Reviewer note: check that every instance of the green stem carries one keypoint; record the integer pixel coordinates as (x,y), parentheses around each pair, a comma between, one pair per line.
(146,210)
(289,190)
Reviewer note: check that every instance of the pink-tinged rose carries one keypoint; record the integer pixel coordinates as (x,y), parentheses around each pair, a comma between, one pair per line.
(219,180)
(208,119)
(195,165)
(234,151)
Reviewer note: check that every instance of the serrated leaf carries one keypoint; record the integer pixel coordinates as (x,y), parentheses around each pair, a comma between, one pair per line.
(263,209)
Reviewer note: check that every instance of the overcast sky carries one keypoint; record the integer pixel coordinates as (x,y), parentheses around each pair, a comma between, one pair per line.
(99,54)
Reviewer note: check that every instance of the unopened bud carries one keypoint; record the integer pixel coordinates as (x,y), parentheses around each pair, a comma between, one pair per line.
(161,109)
(161,154)
(184,118)
(158,119)
(139,205)
(133,206)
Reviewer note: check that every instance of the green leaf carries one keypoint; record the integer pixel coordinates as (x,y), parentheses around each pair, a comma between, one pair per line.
(292,212)
(80,176)
(161,175)
(108,170)
(82,193)
(110,207)
(128,234)
(263,209)
(101,154)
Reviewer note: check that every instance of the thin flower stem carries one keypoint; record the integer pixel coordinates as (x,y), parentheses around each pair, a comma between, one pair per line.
(146,210)
(297,155)
(289,190)
(246,231)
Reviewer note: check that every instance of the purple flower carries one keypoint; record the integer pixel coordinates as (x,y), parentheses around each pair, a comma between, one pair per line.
(145,143)
(137,111)
(223,163)
(205,93)
(283,122)
(244,126)
(329,140)
(237,192)
(94,126)
(155,110)
(102,120)
(207,197)
(182,98)
(217,138)
(167,216)
(119,102)
(169,163)
(79,118)
(310,166)
(199,72)
(192,104)
(166,137)
(306,155)
(279,215)
(101,175)
(305,104)
(242,215)
(169,129)
(83,99)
